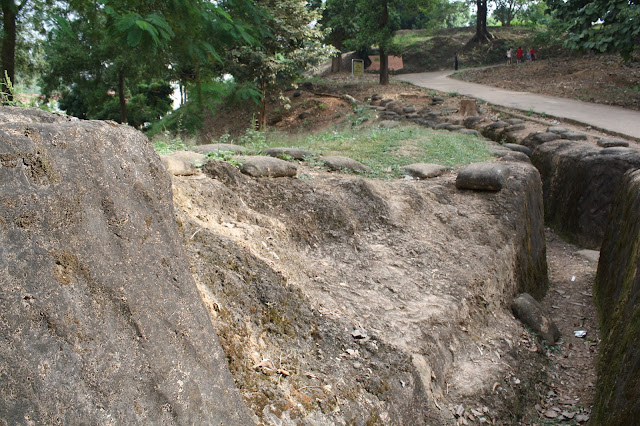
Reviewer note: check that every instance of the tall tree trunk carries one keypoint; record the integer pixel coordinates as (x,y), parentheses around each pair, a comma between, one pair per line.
(384,67)
(9,16)
(123,101)
(482,35)
(336,61)
(262,123)
(384,58)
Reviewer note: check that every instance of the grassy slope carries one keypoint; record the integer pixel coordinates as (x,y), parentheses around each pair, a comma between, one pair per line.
(426,51)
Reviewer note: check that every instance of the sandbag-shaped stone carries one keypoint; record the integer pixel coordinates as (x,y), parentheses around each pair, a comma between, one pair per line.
(483,176)
(520,148)
(295,153)
(183,163)
(530,312)
(535,139)
(425,170)
(220,147)
(340,163)
(263,166)
(612,142)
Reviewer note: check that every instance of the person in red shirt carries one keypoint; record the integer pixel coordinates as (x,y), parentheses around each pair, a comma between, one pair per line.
(532,52)
(520,54)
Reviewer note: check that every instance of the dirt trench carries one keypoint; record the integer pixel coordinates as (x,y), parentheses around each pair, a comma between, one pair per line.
(342,300)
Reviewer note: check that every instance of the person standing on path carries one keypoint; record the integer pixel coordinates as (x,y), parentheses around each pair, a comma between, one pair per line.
(509,56)
(532,52)
(455,63)
(519,54)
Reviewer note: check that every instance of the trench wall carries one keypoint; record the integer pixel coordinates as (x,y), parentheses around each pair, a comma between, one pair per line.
(617,292)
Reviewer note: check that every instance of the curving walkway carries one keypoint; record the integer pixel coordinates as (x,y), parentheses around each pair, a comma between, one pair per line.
(611,118)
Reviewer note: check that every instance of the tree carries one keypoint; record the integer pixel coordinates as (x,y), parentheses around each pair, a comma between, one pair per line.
(482,34)
(601,25)
(291,46)
(339,17)
(21,22)
(506,10)
(100,46)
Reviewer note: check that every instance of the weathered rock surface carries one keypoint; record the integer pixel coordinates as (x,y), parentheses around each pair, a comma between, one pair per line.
(295,153)
(424,170)
(530,312)
(101,321)
(483,176)
(340,163)
(617,296)
(579,183)
(263,166)
(220,147)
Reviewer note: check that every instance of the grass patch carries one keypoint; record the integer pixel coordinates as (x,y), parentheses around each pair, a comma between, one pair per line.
(164,145)
(386,150)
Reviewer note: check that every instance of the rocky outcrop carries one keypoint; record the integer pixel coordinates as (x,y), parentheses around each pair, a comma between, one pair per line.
(579,182)
(617,296)
(100,318)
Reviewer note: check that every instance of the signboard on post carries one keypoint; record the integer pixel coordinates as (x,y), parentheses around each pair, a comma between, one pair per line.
(357,68)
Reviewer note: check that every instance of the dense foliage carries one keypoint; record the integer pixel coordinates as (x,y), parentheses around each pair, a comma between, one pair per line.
(602,25)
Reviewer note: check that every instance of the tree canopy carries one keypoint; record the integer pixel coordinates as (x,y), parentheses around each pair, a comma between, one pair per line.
(601,25)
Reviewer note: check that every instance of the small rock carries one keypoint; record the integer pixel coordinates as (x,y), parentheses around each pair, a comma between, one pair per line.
(472,121)
(295,153)
(611,142)
(573,136)
(514,128)
(424,170)
(359,334)
(557,129)
(530,312)
(582,418)
(550,414)
(472,132)
(389,124)
(590,255)
(412,116)
(263,166)
(297,94)
(513,121)
(408,110)
(483,176)
(497,125)
(520,148)
(386,101)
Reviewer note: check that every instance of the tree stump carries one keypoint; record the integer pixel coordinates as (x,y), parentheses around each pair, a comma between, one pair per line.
(468,107)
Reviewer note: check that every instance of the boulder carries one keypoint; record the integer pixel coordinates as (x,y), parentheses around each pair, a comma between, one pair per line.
(339,163)
(219,147)
(425,170)
(295,153)
(101,319)
(530,312)
(264,166)
(483,176)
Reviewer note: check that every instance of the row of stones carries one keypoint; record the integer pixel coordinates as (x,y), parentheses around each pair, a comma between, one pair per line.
(273,163)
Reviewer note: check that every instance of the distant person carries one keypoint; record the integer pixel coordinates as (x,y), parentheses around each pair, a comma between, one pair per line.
(455,61)
(528,53)
(520,54)
(533,52)
(509,56)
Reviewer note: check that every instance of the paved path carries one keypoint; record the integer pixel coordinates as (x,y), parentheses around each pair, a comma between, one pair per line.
(611,118)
